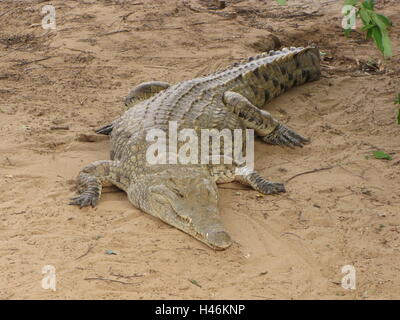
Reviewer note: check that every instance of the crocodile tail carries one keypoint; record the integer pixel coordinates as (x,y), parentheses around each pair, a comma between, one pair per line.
(309,60)
(272,73)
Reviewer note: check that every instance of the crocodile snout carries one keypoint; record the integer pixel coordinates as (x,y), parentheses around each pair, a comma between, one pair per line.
(220,240)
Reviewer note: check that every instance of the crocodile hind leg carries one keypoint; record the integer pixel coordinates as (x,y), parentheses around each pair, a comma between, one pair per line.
(265,126)
(139,93)
(92,178)
(144,91)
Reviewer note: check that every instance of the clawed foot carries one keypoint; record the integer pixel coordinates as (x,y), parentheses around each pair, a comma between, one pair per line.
(85,199)
(268,187)
(285,136)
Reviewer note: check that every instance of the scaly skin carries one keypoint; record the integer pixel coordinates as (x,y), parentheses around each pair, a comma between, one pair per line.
(185,196)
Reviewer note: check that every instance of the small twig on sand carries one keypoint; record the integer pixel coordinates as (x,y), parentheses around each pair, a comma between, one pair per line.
(81,102)
(187,5)
(23,63)
(154,66)
(197,23)
(310,171)
(5,12)
(110,280)
(302,14)
(9,162)
(230,188)
(292,234)
(78,50)
(59,128)
(354,174)
(87,252)
(167,28)
(125,16)
(136,275)
(114,32)
(19,212)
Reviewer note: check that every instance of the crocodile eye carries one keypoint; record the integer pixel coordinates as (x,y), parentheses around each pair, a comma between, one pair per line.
(208,188)
(178,193)
(165,191)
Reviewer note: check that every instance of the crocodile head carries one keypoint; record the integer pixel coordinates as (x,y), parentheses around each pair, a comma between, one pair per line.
(187,199)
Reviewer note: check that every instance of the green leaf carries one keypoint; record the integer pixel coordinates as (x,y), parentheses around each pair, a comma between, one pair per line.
(369,34)
(397,100)
(381,155)
(368,4)
(347,32)
(384,19)
(281,2)
(367,27)
(194,282)
(379,21)
(365,16)
(377,35)
(387,45)
(351,2)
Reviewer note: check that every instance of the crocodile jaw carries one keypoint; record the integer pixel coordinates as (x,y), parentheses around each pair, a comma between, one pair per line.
(202,223)
(209,231)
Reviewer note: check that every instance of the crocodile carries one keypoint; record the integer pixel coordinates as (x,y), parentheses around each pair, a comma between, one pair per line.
(185,196)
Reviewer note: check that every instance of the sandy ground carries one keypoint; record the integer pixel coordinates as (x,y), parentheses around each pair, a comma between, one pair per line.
(290,246)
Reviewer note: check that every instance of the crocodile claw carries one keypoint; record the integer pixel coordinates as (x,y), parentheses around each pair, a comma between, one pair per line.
(85,199)
(271,188)
(285,136)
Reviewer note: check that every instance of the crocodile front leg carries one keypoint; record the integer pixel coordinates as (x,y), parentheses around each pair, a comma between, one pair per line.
(268,128)
(92,178)
(225,173)
(253,179)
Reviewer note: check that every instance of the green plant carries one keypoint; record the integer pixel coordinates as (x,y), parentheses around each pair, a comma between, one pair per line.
(375,25)
(397,100)
(381,155)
